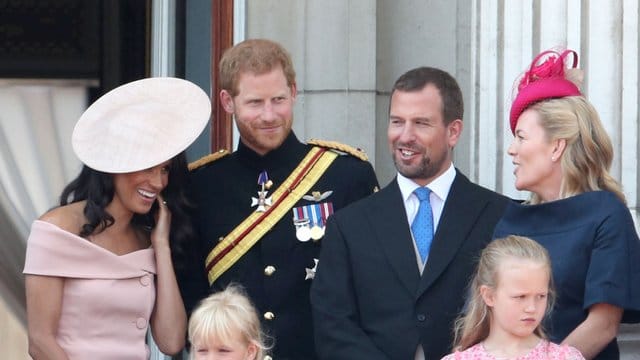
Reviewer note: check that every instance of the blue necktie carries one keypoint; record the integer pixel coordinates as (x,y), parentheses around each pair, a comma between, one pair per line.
(422,226)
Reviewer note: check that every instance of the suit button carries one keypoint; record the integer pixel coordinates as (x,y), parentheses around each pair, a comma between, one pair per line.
(422,317)
(269,315)
(269,270)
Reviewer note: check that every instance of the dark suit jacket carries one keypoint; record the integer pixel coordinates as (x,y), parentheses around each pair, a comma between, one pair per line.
(368,298)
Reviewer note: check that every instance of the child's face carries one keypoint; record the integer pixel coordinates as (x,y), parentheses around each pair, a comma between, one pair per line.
(519,300)
(234,349)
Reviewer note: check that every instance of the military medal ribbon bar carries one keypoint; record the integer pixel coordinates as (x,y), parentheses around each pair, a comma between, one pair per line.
(310,220)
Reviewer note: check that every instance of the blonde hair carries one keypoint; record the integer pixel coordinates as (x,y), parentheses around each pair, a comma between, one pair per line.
(256,56)
(473,327)
(224,315)
(587,157)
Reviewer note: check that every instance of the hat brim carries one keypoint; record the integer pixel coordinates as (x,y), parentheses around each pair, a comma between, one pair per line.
(140,124)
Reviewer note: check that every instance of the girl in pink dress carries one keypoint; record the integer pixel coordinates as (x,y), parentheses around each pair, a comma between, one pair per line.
(99,267)
(511,292)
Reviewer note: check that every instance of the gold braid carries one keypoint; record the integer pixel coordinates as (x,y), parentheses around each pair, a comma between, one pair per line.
(334,145)
(208,159)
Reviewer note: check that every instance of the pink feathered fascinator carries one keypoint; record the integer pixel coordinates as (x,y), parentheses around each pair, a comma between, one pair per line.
(544,80)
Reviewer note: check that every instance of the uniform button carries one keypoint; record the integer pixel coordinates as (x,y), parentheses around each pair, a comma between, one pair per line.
(269,315)
(269,270)
(141,323)
(267,358)
(145,280)
(220,238)
(422,317)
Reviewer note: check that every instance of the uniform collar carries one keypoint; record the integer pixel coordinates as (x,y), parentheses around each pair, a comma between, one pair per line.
(291,151)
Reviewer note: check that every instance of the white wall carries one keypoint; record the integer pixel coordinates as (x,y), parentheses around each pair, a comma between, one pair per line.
(333,46)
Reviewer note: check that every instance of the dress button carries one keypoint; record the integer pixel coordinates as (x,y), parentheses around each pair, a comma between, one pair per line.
(141,323)
(145,280)
(269,270)
(422,317)
(269,315)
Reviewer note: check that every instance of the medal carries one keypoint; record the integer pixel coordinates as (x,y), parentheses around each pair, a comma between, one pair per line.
(317,232)
(301,223)
(310,220)
(262,201)
(311,273)
(303,233)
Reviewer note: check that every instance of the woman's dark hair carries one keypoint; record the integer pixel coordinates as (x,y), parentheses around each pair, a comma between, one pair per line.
(97,189)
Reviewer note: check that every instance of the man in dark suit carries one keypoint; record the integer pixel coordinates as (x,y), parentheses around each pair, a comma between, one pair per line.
(377,293)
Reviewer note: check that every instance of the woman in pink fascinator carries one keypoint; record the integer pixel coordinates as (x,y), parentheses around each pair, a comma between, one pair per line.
(577,210)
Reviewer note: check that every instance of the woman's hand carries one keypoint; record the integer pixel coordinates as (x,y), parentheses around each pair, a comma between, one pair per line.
(169,319)
(160,233)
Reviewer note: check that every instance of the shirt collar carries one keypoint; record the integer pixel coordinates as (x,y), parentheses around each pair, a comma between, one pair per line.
(440,186)
(291,151)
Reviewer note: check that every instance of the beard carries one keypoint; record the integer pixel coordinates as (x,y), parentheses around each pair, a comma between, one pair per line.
(426,168)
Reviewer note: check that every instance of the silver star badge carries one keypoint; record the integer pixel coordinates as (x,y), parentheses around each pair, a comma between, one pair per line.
(311,273)
(262,201)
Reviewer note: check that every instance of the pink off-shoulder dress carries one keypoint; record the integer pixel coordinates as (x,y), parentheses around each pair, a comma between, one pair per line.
(107,299)
(545,350)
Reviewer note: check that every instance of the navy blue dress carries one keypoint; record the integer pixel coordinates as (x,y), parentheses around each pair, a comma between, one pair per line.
(595,255)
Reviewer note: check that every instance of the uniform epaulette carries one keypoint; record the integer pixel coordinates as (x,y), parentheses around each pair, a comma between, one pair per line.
(340,147)
(208,159)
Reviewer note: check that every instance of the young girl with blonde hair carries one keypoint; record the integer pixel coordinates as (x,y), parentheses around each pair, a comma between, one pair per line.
(511,292)
(225,325)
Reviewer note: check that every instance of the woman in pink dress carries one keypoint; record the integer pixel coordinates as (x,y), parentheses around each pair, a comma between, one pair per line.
(99,269)
(511,292)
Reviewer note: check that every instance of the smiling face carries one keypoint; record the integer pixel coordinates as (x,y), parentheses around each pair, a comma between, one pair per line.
(137,191)
(519,300)
(420,143)
(536,158)
(263,109)
(233,349)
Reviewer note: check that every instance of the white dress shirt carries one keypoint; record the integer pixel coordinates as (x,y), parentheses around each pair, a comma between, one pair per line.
(439,187)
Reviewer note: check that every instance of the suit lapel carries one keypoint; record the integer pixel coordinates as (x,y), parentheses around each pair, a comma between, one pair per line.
(460,212)
(388,218)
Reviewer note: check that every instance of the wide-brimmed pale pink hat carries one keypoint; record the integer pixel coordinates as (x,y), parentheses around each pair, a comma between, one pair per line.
(140,124)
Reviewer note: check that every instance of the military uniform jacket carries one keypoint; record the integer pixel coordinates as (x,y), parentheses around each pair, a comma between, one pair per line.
(275,271)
